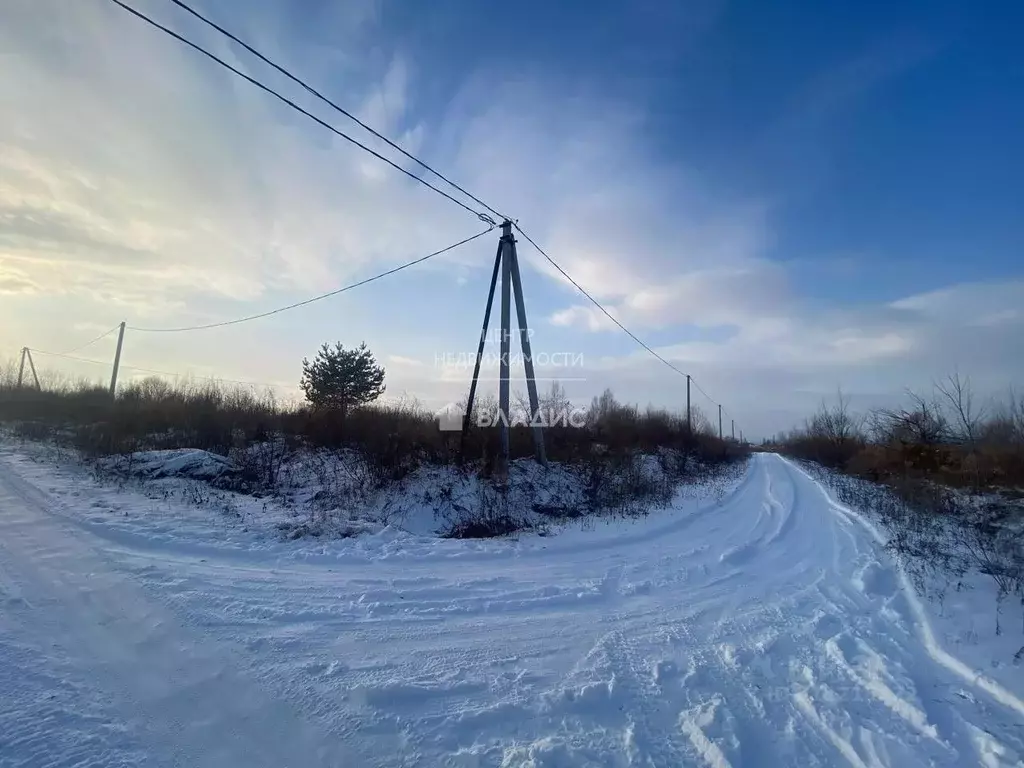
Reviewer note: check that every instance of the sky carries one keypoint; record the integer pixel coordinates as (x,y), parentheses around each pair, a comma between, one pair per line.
(781,199)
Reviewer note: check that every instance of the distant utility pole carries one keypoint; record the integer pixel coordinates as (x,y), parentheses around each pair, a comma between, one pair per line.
(507,262)
(720,436)
(689,423)
(733,428)
(21,367)
(117,361)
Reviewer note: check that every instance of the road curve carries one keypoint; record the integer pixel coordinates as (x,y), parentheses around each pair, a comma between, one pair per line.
(769,628)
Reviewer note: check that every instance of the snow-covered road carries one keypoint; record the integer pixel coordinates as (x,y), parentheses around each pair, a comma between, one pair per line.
(764,628)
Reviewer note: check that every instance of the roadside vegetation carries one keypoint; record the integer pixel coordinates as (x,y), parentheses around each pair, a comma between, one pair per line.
(943,471)
(361,456)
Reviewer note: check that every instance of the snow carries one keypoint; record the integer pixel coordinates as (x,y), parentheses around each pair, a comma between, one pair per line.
(180,462)
(759,624)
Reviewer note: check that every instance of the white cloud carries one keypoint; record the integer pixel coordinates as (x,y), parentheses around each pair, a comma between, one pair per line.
(405,362)
(733,295)
(16,281)
(588,317)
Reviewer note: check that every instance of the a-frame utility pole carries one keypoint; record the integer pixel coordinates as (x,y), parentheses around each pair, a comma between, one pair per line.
(26,354)
(506,262)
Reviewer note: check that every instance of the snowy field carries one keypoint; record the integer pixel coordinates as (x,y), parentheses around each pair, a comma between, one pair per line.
(761,626)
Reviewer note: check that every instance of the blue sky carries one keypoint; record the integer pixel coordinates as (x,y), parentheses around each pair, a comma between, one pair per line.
(782,198)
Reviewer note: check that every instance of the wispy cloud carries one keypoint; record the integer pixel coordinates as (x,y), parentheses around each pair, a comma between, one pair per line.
(15,281)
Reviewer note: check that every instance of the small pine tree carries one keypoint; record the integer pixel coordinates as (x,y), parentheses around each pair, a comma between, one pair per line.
(340,379)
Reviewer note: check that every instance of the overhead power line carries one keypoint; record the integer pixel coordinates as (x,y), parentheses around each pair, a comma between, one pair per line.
(296,107)
(90,343)
(609,315)
(598,304)
(186,7)
(701,390)
(92,362)
(152,370)
(322,296)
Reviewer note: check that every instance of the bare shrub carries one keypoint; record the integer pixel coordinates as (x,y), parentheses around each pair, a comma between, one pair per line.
(967,417)
(260,467)
(496,515)
(832,436)
(921,423)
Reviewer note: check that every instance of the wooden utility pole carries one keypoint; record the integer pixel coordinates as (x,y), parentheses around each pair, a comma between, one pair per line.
(21,367)
(507,262)
(733,422)
(117,361)
(720,435)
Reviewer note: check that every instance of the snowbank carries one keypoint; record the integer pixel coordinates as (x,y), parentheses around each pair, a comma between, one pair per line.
(179,462)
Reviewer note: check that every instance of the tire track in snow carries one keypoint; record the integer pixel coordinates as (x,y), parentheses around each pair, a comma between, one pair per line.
(753,679)
(754,539)
(841,648)
(159,691)
(973,677)
(859,596)
(784,515)
(806,706)
(692,726)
